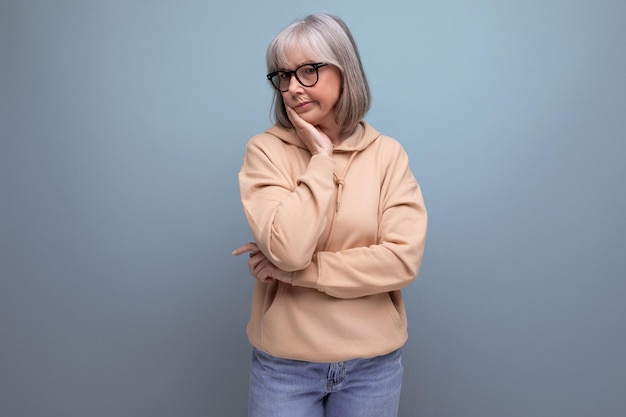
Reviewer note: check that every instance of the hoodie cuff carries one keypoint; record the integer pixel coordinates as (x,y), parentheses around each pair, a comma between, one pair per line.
(306,277)
(320,165)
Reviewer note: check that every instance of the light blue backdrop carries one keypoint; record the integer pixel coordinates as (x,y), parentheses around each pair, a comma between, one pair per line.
(122,127)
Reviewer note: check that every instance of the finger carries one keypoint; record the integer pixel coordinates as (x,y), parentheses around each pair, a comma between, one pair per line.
(298,122)
(263,273)
(258,266)
(255,259)
(248,247)
(292,113)
(252,266)
(260,273)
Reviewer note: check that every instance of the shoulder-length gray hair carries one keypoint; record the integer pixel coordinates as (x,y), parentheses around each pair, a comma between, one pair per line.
(328,39)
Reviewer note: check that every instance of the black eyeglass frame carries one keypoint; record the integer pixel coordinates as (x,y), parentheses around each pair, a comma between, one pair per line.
(315,65)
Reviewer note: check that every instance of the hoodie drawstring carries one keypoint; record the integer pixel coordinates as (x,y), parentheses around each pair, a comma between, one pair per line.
(340,183)
(340,180)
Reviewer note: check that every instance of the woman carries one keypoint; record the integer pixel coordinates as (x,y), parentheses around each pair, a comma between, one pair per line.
(339,228)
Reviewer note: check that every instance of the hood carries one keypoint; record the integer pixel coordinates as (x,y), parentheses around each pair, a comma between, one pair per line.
(362,137)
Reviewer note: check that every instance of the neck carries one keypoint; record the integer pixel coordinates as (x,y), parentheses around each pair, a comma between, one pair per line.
(336,133)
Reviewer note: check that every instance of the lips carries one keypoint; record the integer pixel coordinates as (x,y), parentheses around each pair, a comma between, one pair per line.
(302,105)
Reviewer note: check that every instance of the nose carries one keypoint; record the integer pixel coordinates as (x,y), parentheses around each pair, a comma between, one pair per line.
(294,84)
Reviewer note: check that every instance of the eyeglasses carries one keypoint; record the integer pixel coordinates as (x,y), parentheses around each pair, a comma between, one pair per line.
(306,75)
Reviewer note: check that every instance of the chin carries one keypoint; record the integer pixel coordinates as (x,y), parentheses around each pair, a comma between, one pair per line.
(310,118)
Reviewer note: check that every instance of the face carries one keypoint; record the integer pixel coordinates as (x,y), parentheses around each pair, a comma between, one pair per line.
(316,104)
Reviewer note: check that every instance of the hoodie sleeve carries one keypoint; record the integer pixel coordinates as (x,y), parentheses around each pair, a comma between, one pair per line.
(286,216)
(390,264)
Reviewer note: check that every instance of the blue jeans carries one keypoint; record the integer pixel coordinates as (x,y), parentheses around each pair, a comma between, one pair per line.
(354,388)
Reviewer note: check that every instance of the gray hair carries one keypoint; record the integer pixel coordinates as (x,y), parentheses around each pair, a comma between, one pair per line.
(327,38)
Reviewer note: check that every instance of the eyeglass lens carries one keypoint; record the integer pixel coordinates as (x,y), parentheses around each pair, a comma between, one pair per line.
(306,76)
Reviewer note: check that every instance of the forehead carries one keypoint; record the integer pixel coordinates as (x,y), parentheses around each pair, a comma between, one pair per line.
(297,58)
(296,53)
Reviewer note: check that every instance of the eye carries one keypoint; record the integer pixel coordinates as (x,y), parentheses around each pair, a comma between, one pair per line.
(283,75)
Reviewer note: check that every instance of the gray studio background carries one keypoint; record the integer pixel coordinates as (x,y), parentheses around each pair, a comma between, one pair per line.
(123,125)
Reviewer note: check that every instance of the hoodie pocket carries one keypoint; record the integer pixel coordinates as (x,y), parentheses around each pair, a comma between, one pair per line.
(273,303)
(395,306)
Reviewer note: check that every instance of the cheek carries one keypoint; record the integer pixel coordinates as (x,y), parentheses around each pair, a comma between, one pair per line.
(332,97)
(331,88)
(335,92)
(329,95)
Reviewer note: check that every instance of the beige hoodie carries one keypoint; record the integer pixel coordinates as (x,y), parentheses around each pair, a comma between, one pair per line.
(352,229)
